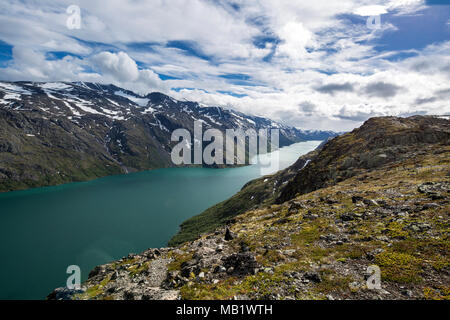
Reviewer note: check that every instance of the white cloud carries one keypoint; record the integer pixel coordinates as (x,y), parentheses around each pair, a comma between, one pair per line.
(367,11)
(295,39)
(308,44)
(119,65)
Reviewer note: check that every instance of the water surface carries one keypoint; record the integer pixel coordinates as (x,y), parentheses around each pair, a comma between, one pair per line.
(44,230)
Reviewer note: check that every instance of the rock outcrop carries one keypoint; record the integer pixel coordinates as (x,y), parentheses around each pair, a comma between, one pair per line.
(378,142)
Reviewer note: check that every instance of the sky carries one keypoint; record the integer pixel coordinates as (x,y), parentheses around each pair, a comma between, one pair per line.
(319,64)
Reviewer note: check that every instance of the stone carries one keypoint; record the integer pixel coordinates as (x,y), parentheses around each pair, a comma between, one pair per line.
(203,251)
(268,270)
(434,190)
(114,275)
(111,290)
(229,235)
(128,295)
(289,252)
(244,247)
(430,206)
(219,269)
(189,267)
(407,293)
(310,216)
(370,202)
(347,217)
(96,271)
(241,263)
(295,206)
(419,227)
(354,285)
(312,276)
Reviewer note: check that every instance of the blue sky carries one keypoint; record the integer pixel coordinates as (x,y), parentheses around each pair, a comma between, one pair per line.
(310,64)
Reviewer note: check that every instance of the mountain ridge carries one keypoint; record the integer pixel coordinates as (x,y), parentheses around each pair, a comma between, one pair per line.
(60,132)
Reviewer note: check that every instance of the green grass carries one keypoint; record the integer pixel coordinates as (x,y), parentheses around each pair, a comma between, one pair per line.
(220,214)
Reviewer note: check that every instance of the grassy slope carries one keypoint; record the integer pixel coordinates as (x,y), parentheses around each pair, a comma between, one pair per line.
(417,260)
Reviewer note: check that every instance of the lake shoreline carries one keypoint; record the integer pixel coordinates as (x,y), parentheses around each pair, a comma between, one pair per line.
(93,222)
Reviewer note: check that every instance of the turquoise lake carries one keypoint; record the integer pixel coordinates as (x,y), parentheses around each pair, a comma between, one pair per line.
(44,230)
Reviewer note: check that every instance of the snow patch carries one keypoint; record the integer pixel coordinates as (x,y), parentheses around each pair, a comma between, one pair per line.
(139,101)
(149,110)
(12,92)
(74,112)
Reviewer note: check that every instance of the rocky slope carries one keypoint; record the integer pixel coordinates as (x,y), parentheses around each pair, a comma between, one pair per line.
(52,133)
(316,240)
(256,193)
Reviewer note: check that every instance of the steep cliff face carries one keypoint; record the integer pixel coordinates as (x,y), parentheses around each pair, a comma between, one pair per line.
(391,213)
(52,133)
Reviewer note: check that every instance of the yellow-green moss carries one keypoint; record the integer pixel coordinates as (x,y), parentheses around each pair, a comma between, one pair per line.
(178,260)
(138,269)
(398,267)
(440,293)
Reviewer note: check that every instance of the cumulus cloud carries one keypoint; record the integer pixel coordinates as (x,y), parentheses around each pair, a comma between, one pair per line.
(295,38)
(309,65)
(119,65)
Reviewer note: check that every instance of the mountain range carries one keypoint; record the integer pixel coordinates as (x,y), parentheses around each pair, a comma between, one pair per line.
(60,132)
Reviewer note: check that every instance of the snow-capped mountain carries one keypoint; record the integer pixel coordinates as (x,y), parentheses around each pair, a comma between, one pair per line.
(61,131)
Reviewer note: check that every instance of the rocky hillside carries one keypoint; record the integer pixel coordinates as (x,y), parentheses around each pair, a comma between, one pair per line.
(256,193)
(52,133)
(380,141)
(382,200)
